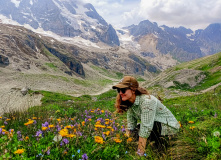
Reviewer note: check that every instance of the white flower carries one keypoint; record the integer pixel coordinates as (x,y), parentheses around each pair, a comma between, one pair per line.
(57,138)
(216,134)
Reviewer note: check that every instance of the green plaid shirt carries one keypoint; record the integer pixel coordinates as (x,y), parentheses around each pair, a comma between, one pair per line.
(148,109)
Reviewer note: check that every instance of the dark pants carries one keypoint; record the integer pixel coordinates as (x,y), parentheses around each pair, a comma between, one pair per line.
(160,142)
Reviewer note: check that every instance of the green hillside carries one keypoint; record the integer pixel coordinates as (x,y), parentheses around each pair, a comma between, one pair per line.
(209,67)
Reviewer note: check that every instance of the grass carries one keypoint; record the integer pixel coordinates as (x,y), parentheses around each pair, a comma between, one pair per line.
(64,127)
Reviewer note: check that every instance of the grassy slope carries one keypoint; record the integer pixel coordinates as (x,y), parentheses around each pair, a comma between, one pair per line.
(210,65)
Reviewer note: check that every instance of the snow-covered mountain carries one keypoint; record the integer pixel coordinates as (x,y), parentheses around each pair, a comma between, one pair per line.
(67,18)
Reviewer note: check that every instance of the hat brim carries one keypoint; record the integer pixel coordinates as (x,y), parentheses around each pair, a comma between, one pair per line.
(120,86)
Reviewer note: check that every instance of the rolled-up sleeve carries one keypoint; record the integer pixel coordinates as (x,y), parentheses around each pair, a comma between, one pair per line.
(131,120)
(148,112)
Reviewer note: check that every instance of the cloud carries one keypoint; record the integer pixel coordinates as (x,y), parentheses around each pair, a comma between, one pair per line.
(192,14)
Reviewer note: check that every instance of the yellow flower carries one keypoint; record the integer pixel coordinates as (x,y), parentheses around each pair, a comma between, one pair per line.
(83,123)
(27,138)
(63,132)
(89,119)
(98,139)
(117,140)
(12,130)
(19,151)
(180,124)
(106,119)
(102,111)
(95,129)
(2,126)
(0,117)
(92,111)
(58,120)
(129,140)
(29,122)
(8,119)
(107,122)
(34,118)
(71,135)
(44,128)
(109,127)
(192,127)
(191,122)
(107,133)
(100,126)
(118,135)
(51,126)
(68,126)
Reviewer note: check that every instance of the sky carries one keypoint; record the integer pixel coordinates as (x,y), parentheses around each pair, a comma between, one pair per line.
(193,14)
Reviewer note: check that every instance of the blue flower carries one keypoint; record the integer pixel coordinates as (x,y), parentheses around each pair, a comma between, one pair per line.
(73,156)
(79,151)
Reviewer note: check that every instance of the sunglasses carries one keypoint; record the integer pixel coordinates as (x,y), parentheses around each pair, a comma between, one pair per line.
(123,90)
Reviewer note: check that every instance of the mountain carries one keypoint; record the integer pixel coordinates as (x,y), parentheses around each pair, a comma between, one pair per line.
(67,18)
(181,43)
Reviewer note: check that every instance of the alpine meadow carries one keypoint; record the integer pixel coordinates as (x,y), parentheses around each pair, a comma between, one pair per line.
(59,60)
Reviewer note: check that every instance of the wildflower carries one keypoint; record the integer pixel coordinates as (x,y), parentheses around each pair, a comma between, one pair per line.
(65,152)
(191,122)
(39,133)
(34,118)
(68,126)
(63,132)
(129,140)
(57,138)
(215,115)
(27,138)
(216,134)
(51,126)
(58,120)
(5,123)
(107,133)
(98,139)
(8,119)
(84,156)
(11,130)
(65,140)
(19,151)
(89,119)
(44,128)
(46,124)
(126,152)
(180,124)
(0,130)
(117,140)
(0,117)
(83,123)
(78,150)
(48,152)
(102,111)
(73,156)
(71,135)
(2,126)
(192,127)
(29,122)
(109,127)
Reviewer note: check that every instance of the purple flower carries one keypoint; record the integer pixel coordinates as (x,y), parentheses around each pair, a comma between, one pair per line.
(65,140)
(48,152)
(58,128)
(5,123)
(0,130)
(79,133)
(46,124)
(103,136)
(38,133)
(123,130)
(61,144)
(84,156)
(215,115)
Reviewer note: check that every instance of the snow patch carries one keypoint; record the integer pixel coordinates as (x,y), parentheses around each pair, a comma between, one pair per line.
(16,2)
